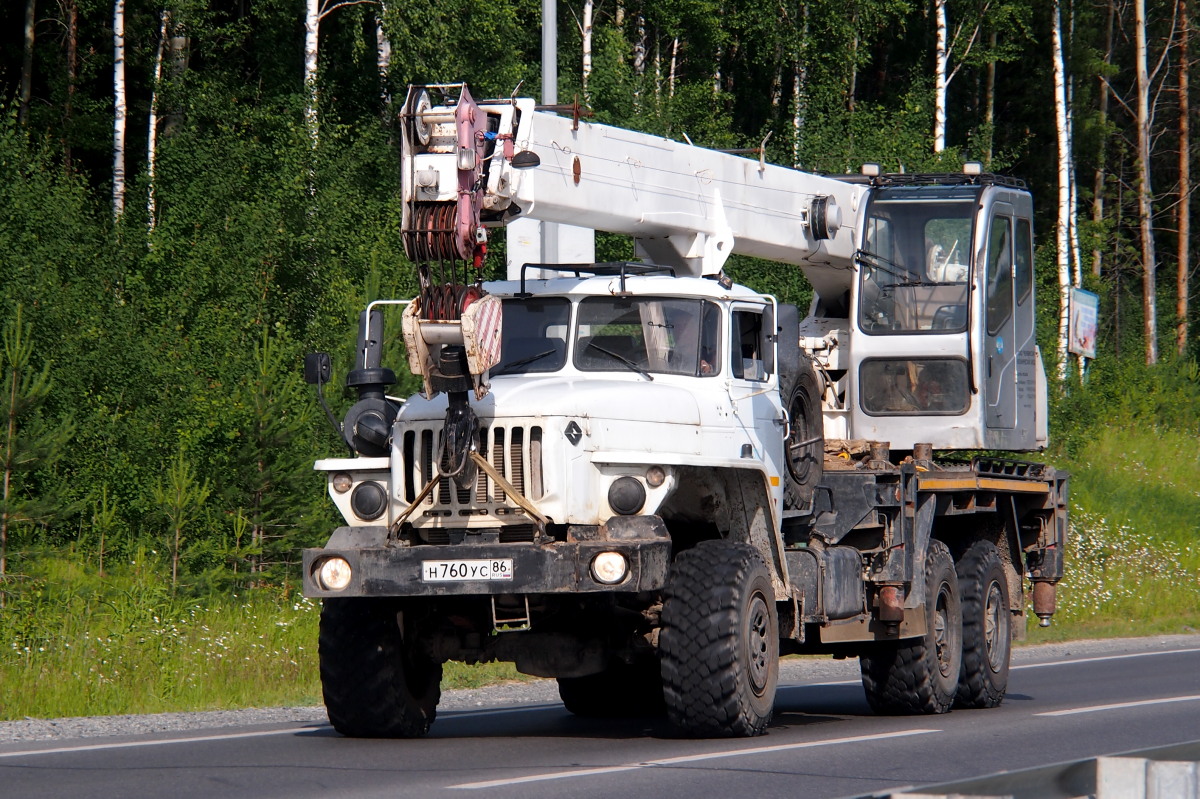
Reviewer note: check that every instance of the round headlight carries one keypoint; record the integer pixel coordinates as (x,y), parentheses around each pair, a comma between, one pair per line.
(334,574)
(341,482)
(656,476)
(626,495)
(609,568)
(368,501)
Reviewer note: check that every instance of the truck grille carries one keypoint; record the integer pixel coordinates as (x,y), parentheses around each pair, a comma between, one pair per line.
(514,451)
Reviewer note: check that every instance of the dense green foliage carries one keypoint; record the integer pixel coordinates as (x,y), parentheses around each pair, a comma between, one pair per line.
(172,354)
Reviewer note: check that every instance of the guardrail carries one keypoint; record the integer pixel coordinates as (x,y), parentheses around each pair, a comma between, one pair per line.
(1166,771)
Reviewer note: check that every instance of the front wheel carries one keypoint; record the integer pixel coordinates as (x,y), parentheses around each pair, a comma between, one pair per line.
(921,676)
(719,642)
(987,627)
(377,682)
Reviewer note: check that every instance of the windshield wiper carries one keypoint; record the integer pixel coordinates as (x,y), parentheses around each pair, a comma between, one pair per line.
(508,367)
(622,359)
(877,261)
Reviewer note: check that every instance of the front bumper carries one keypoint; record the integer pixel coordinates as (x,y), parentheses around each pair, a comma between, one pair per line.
(555,568)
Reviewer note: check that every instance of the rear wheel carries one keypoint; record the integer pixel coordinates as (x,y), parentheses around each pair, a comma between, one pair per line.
(377,682)
(987,627)
(720,641)
(921,676)
(621,690)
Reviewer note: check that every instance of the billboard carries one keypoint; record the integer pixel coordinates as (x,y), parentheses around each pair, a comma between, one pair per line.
(1085,313)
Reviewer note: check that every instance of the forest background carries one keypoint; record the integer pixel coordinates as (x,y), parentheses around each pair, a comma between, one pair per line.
(192,195)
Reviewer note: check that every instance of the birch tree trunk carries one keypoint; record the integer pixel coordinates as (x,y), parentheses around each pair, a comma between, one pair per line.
(674,62)
(383,61)
(1144,189)
(589,8)
(1185,183)
(1102,153)
(152,125)
(27,63)
(118,194)
(941,59)
(639,60)
(1062,229)
(312,26)
(800,88)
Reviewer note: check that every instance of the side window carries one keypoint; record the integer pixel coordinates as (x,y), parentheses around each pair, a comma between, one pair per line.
(747,361)
(999,274)
(1024,265)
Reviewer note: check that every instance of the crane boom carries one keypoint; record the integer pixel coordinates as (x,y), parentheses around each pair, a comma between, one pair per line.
(686,207)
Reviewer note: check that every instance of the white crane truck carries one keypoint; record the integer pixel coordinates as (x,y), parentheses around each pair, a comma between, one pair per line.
(650,483)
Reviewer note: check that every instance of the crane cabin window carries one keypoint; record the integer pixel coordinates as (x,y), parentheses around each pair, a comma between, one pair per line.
(915,262)
(665,335)
(533,336)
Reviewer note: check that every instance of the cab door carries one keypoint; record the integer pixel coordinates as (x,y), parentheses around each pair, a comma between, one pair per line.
(1000,344)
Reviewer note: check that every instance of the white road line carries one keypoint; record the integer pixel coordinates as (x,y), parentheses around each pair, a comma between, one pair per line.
(672,761)
(159,742)
(1120,706)
(1102,658)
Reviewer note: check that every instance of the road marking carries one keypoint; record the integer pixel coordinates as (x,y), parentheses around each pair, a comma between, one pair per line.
(1102,658)
(1120,705)
(672,761)
(160,742)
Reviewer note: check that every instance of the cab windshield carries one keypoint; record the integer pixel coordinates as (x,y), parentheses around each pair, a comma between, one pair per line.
(647,335)
(915,261)
(533,337)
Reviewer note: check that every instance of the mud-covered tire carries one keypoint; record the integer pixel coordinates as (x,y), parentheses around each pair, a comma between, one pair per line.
(375,683)
(921,675)
(804,441)
(987,627)
(719,642)
(624,690)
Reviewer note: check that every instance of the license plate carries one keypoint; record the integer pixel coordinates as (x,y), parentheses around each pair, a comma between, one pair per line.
(455,571)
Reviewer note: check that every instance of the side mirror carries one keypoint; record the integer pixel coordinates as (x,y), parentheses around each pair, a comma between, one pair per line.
(317,368)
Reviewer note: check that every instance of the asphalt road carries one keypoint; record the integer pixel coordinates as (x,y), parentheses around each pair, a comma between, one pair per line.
(1061,705)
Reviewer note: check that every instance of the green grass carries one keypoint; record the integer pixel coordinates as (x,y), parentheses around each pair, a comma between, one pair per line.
(73,644)
(1133,557)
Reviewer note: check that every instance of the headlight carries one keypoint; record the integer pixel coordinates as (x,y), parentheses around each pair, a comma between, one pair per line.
(368,501)
(626,495)
(609,568)
(334,574)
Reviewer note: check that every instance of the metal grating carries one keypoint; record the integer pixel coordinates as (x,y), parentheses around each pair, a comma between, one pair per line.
(515,451)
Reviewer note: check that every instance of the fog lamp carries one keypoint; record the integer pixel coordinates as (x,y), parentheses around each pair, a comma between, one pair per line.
(334,574)
(341,482)
(609,568)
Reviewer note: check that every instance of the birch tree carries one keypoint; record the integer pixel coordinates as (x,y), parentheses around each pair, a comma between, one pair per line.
(314,12)
(585,31)
(152,124)
(1062,228)
(118,189)
(1144,188)
(944,50)
(383,60)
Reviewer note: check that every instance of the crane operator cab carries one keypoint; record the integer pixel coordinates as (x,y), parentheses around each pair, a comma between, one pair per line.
(942,316)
